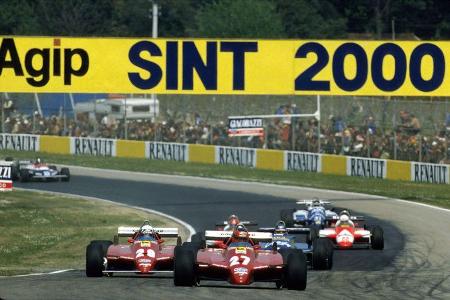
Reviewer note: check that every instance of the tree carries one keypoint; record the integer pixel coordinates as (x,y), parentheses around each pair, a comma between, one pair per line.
(311,19)
(238,19)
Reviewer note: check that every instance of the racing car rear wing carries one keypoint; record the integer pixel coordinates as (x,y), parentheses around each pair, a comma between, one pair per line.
(309,202)
(223,235)
(246,223)
(125,231)
(290,230)
(353,218)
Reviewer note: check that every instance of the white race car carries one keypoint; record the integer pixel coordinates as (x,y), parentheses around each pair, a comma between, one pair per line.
(36,170)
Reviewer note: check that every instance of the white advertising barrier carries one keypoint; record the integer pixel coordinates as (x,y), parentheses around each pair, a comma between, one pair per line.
(167,151)
(366,167)
(92,146)
(431,173)
(19,142)
(244,157)
(302,161)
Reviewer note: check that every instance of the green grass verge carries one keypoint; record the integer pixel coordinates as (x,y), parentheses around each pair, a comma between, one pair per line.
(421,192)
(42,232)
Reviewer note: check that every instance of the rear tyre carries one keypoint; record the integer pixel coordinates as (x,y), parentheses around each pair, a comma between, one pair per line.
(14,173)
(287,216)
(184,267)
(322,254)
(296,274)
(24,176)
(65,171)
(313,235)
(377,238)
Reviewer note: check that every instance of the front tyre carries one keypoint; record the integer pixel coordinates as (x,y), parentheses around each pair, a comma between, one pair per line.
(287,216)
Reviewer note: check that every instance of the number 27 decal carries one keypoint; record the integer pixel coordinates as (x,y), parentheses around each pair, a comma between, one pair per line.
(235,260)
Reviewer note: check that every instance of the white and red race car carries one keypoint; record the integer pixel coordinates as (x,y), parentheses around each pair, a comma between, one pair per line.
(346,234)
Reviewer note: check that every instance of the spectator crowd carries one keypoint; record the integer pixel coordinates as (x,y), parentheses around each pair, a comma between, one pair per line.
(402,141)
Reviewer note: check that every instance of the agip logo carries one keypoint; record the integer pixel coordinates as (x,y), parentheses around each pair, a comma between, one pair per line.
(38,65)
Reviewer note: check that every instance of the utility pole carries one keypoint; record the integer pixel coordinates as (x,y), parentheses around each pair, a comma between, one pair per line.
(393,28)
(3,111)
(154,15)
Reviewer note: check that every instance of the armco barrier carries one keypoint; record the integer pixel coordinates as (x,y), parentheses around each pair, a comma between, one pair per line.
(245,157)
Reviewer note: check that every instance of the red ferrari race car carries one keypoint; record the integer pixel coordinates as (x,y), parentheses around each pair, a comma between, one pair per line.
(346,234)
(240,261)
(145,252)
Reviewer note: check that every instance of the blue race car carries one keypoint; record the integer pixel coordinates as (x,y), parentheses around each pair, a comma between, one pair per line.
(318,251)
(314,214)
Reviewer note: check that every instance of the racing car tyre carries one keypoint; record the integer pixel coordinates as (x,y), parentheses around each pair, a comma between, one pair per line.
(195,246)
(24,176)
(14,173)
(287,216)
(322,254)
(65,171)
(95,252)
(9,158)
(377,238)
(296,275)
(313,235)
(184,266)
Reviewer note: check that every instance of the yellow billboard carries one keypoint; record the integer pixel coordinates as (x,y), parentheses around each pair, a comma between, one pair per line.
(213,66)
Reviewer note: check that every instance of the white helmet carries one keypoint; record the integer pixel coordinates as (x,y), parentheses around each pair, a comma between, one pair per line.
(344,218)
(147,229)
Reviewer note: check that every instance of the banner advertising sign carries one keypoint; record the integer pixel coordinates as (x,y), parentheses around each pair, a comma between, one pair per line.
(167,151)
(244,157)
(245,127)
(6,183)
(213,66)
(366,167)
(431,173)
(92,146)
(19,142)
(302,161)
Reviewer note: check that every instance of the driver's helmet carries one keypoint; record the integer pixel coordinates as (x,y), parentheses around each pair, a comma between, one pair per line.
(240,234)
(147,230)
(316,203)
(280,228)
(38,161)
(344,220)
(233,220)
(344,212)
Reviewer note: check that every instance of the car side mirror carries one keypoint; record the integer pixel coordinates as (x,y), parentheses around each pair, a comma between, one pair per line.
(130,240)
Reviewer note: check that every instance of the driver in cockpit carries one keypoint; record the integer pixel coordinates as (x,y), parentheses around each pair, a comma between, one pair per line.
(146,233)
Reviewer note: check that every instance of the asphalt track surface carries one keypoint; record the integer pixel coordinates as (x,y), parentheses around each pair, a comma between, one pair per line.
(415,263)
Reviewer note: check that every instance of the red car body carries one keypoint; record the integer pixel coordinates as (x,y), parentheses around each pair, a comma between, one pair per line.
(143,254)
(346,236)
(242,263)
